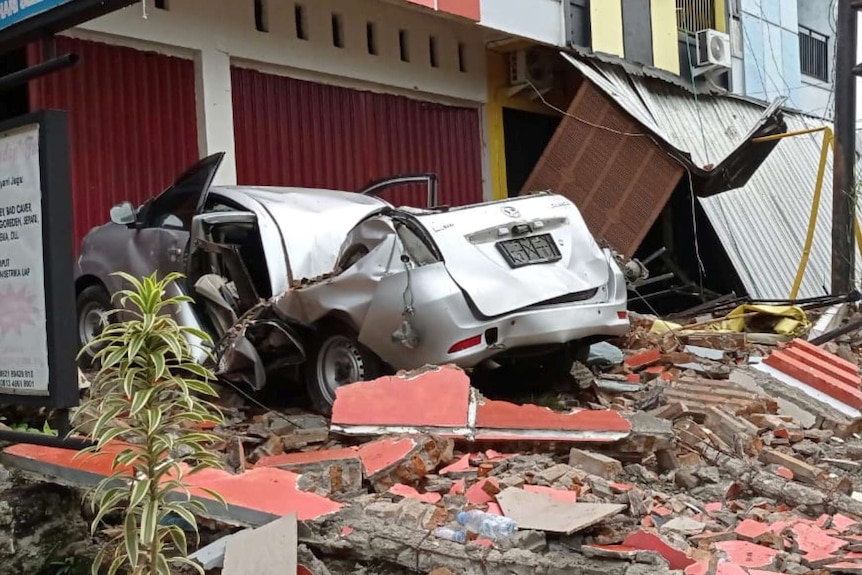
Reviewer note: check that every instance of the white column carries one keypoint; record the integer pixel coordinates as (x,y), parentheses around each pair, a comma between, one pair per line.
(215,110)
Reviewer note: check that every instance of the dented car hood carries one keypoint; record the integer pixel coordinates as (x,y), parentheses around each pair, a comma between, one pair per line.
(467,239)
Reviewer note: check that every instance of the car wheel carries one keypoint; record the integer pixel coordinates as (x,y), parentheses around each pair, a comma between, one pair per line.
(93,305)
(337,358)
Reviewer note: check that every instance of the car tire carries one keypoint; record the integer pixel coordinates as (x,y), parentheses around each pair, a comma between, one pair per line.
(92,305)
(337,358)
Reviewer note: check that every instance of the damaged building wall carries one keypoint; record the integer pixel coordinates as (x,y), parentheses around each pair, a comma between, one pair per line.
(602,160)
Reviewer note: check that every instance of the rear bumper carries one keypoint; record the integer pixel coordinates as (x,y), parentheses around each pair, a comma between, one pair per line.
(543,327)
(443,319)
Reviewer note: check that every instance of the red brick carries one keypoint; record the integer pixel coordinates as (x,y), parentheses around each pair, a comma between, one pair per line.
(821,353)
(747,554)
(643,359)
(815,378)
(435,398)
(850,378)
(648,541)
(655,370)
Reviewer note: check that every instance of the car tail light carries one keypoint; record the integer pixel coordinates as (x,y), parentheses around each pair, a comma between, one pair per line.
(623,314)
(466,344)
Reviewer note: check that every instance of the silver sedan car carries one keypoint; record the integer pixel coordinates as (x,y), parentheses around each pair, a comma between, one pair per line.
(343,286)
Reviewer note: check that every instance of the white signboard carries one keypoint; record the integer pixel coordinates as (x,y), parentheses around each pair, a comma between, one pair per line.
(23,321)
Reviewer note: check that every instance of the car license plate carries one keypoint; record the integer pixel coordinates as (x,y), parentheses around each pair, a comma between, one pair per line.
(528,251)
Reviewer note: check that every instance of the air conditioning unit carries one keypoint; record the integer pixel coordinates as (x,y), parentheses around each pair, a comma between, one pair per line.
(531,66)
(713,49)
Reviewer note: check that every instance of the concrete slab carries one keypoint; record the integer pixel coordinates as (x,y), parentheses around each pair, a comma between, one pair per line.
(212,556)
(542,512)
(253,498)
(267,550)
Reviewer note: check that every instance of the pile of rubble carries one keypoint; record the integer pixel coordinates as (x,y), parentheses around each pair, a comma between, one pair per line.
(679,451)
(682,458)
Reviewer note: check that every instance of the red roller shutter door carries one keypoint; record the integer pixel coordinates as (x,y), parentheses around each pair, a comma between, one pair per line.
(132,123)
(296,133)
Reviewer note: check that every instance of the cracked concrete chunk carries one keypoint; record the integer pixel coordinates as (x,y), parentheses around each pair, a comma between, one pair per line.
(543,512)
(267,550)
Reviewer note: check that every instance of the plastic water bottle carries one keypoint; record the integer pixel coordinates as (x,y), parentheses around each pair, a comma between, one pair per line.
(487,524)
(450,534)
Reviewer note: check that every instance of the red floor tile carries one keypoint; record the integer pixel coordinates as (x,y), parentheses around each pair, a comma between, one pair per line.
(648,541)
(436,398)
(478,496)
(747,554)
(492,415)
(379,455)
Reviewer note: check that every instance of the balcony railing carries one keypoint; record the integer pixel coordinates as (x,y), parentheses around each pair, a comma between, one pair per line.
(814,54)
(695,15)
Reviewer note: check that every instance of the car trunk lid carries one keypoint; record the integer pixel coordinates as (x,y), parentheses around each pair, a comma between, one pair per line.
(510,255)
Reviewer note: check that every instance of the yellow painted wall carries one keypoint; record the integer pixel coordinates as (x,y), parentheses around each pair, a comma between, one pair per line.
(720,15)
(664,35)
(606,26)
(499,98)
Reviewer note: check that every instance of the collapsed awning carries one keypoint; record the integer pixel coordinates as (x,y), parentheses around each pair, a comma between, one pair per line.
(762,223)
(614,156)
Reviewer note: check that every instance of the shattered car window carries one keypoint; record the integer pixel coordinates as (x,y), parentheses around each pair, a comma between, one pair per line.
(418,251)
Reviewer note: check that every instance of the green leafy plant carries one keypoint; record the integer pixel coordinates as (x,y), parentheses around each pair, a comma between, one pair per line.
(45,430)
(149,394)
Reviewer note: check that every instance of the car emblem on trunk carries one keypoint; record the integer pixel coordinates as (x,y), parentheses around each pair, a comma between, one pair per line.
(511,212)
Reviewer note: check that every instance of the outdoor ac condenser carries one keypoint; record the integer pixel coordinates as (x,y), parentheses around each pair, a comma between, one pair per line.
(531,66)
(713,49)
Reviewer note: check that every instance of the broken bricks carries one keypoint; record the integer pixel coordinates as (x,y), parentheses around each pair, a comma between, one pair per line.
(383,463)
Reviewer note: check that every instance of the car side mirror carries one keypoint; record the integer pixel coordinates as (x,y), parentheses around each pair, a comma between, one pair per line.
(124,214)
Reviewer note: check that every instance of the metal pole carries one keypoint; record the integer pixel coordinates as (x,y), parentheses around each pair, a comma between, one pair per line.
(37,71)
(843,196)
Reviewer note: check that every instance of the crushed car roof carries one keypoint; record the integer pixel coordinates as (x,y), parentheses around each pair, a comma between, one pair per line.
(313,222)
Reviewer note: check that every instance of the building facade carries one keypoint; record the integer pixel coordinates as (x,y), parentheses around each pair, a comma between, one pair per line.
(779,48)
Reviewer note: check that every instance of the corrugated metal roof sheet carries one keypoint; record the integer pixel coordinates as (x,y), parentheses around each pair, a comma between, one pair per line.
(761,225)
(132,123)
